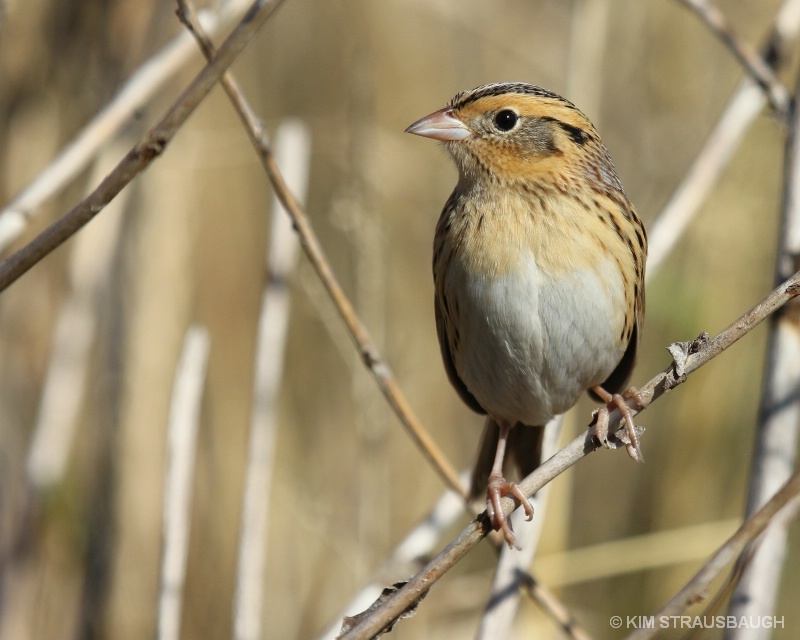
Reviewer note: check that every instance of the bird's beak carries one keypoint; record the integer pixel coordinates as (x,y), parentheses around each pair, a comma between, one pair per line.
(440,125)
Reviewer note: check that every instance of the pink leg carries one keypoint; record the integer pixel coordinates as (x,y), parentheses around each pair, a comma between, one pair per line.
(499,487)
(617,401)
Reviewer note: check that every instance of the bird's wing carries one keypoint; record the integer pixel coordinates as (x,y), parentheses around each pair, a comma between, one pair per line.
(618,380)
(449,365)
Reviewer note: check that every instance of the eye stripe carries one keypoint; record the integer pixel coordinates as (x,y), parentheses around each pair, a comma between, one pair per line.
(578,135)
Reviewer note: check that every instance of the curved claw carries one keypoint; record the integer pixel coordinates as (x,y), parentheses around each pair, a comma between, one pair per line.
(617,401)
(498,488)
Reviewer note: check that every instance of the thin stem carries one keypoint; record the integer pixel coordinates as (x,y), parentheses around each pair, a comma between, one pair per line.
(143,153)
(366,346)
(747,56)
(720,146)
(696,588)
(84,147)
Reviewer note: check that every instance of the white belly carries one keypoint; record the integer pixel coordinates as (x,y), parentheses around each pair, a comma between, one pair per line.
(530,343)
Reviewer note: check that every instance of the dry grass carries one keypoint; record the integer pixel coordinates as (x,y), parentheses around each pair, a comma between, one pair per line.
(81,557)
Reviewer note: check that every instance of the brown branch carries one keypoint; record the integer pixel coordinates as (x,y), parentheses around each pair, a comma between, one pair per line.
(140,157)
(747,56)
(366,346)
(720,146)
(688,357)
(696,588)
(151,76)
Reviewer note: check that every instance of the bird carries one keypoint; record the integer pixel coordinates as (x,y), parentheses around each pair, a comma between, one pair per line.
(538,268)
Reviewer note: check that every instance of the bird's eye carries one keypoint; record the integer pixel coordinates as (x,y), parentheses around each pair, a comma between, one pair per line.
(506,119)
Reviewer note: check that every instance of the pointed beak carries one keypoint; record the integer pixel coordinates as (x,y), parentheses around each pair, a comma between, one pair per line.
(441,125)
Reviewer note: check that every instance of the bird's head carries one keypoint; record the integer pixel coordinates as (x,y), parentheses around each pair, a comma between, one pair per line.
(513,132)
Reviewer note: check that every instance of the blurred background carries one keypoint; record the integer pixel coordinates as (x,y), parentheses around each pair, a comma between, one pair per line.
(185,244)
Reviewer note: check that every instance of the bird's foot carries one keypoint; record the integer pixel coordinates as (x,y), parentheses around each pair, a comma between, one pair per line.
(618,401)
(498,488)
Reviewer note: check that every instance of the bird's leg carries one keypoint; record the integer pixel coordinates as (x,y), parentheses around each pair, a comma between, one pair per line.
(617,401)
(499,487)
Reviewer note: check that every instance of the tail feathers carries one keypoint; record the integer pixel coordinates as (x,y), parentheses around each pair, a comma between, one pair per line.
(523,454)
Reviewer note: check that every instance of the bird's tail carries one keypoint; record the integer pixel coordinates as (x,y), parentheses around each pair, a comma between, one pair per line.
(523,454)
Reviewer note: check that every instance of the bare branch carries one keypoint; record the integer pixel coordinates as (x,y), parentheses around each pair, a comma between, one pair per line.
(140,157)
(747,56)
(695,354)
(696,588)
(72,160)
(547,600)
(719,148)
(407,556)
(366,346)
(423,539)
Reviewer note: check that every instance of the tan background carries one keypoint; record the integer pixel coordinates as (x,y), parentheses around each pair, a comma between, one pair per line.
(83,559)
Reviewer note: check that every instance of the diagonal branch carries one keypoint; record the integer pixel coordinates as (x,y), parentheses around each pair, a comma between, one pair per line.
(366,346)
(747,56)
(695,589)
(140,157)
(687,358)
(721,144)
(73,158)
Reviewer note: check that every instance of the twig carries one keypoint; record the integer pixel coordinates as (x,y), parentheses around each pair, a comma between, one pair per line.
(775,455)
(688,357)
(183,422)
(293,150)
(718,150)
(696,588)
(138,158)
(747,56)
(72,160)
(313,249)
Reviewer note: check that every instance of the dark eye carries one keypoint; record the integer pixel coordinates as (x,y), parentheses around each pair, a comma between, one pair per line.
(506,119)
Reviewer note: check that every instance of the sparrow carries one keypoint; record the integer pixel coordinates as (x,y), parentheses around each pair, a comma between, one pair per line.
(538,268)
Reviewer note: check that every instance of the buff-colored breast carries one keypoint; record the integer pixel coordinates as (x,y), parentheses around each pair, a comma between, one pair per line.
(540,314)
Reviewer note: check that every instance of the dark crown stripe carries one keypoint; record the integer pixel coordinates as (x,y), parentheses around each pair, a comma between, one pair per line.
(499,88)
